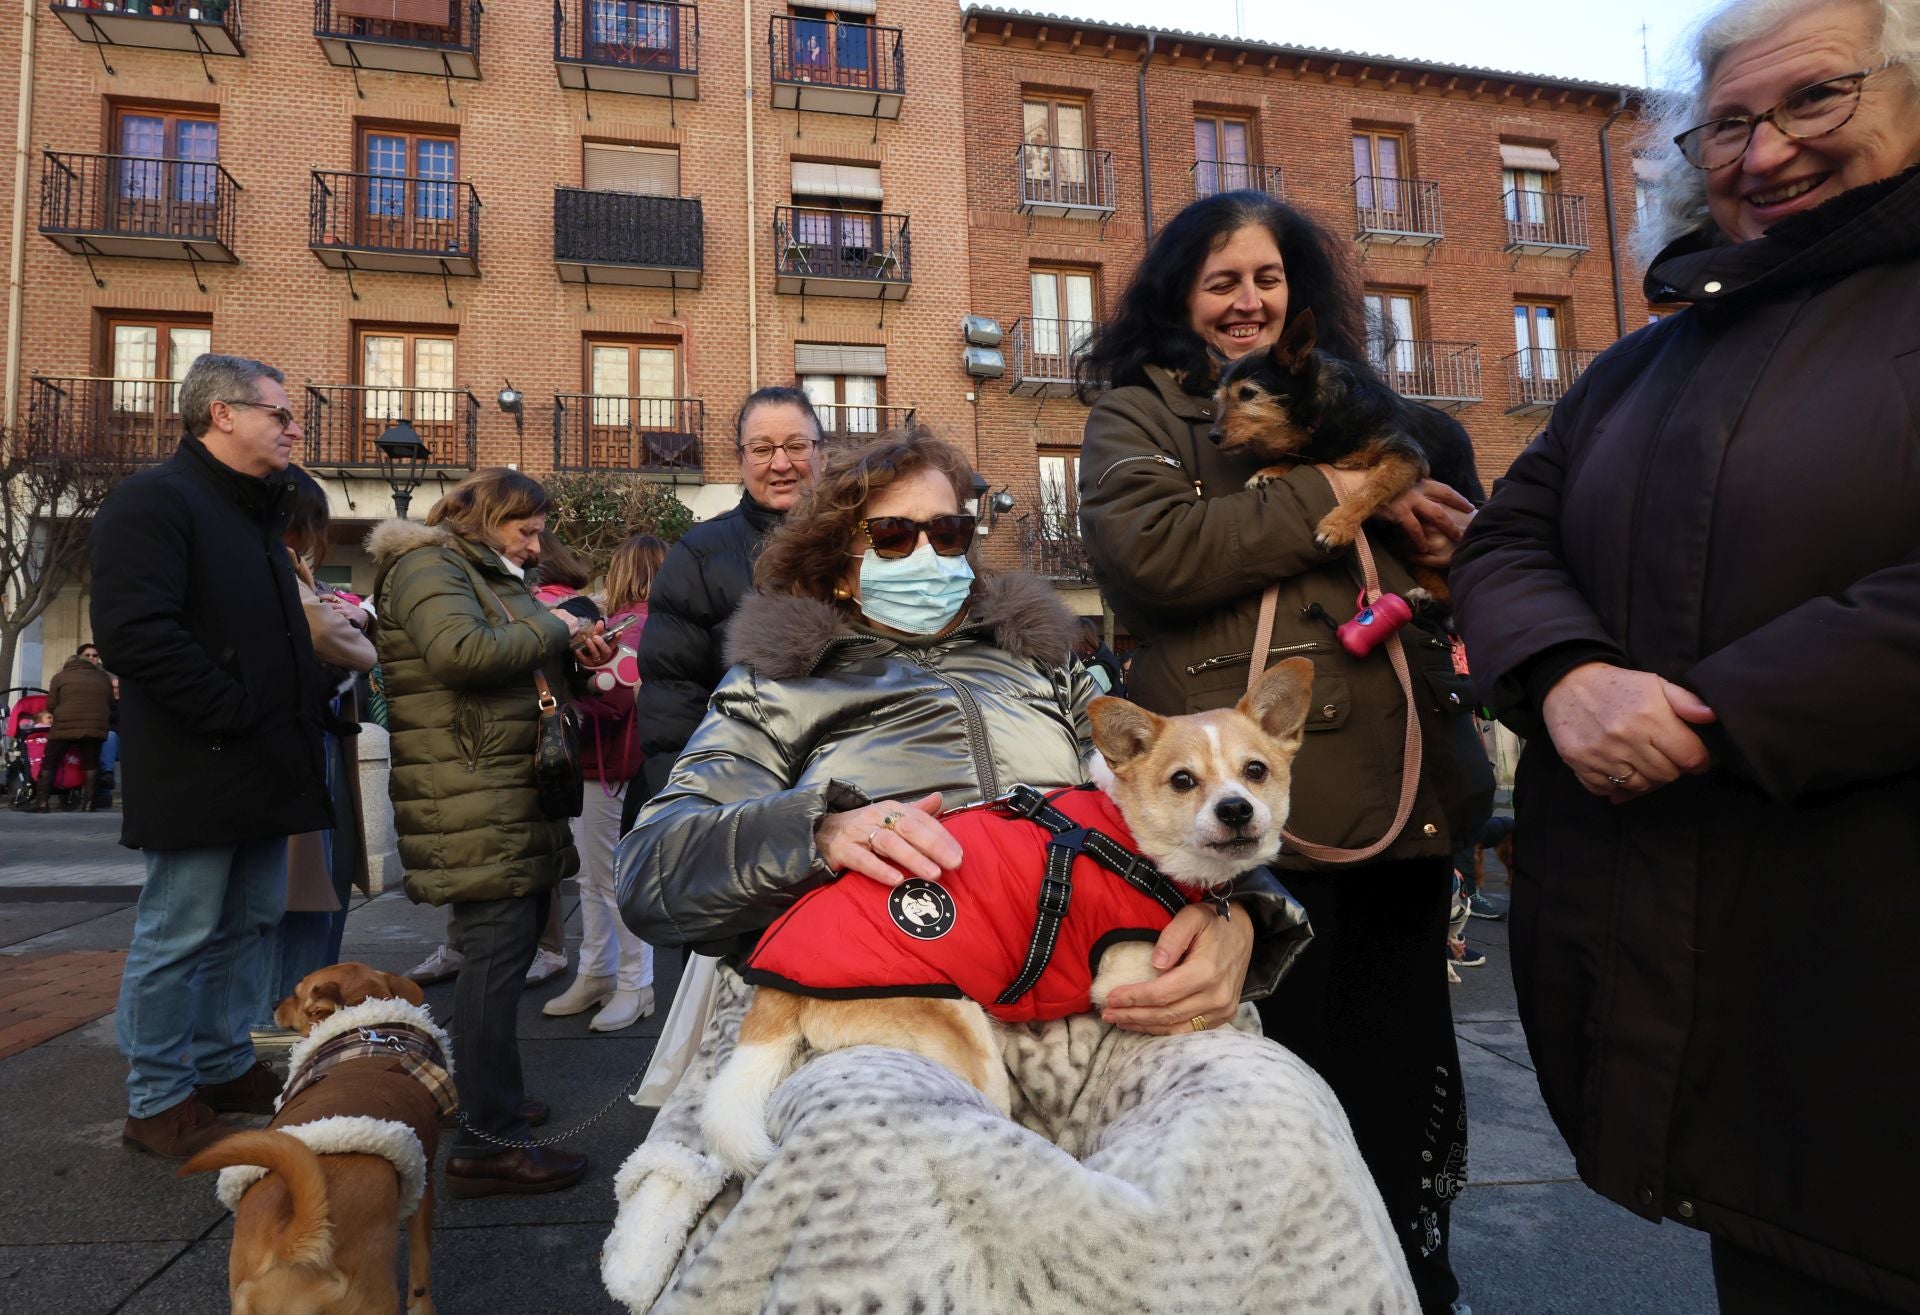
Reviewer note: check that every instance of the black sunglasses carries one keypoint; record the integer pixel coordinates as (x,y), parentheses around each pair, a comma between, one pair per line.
(898,536)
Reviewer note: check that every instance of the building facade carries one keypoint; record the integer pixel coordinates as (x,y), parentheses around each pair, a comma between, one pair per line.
(572,236)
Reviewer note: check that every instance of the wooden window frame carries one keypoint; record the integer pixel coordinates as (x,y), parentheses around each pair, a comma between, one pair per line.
(177,198)
(441,433)
(1219,118)
(1066,525)
(128,416)
(841,404)
(409,229)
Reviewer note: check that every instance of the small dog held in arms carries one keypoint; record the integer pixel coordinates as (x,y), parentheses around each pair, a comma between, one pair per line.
(1193,802)
(319,1196)
(1299,404)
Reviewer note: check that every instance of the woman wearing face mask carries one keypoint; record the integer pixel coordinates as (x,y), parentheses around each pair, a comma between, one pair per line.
(878,680)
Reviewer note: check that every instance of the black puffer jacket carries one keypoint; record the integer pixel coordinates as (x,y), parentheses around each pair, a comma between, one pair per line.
(701,582)
(1718,980)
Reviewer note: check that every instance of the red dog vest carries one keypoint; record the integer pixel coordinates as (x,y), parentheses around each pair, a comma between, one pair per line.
(973,932)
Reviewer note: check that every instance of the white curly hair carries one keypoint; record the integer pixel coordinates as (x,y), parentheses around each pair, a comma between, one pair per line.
(1676,192)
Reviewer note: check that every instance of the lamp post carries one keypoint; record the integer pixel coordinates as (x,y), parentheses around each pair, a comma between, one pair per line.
(403,463)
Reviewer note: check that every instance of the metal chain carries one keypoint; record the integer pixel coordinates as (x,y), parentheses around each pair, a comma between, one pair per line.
(631,1084)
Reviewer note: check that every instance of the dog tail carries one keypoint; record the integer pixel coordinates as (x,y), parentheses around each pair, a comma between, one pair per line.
(734,1115)
(308,1239)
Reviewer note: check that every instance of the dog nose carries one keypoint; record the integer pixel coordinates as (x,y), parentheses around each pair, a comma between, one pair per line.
(1214,436)
(1235,812)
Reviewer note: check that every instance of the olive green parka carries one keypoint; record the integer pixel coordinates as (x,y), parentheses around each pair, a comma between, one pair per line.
(463,713)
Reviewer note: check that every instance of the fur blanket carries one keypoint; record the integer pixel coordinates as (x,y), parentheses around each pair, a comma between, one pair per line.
(1211,1172)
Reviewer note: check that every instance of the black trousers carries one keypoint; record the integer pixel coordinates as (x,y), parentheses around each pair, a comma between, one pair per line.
(1366,1006)
(497,938)
(50,762)
(1748,1283)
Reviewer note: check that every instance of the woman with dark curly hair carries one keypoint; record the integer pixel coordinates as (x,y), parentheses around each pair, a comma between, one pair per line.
(1183,550)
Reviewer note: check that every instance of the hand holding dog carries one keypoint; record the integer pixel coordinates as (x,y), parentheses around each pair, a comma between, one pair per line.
(1433,517)
(1626,733)
(1203,959)
(881,839)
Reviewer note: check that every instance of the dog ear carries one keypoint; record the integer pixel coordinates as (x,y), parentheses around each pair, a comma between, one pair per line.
(1296,341)
(322,1000)
(287,1014)
(1278,703)
(1122,731)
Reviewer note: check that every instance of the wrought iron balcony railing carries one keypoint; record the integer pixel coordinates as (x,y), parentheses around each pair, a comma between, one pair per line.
(841,253)
(1446,374)
(1538,377)
(836,67)
(136,205)
(89,418)
(848,423)
(621,237)
(1052,547)
(1397,211)
(1211,177)
(1065,181)
(436,37)
(597,431)
(202,27)
(640,47)
(1546,223)
(1043,354)
(371,221)
(345,421)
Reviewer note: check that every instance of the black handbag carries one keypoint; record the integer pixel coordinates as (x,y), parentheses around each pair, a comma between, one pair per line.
(556,756)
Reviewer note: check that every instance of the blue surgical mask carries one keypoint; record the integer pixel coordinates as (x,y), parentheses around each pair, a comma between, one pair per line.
(918,594)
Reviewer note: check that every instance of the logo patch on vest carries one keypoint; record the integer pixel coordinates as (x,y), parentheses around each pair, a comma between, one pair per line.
(921,908)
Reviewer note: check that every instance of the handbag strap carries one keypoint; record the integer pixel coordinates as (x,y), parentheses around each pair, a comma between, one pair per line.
(1411,749)
(548,704)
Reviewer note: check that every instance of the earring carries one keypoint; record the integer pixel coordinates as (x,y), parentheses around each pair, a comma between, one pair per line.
(842,593)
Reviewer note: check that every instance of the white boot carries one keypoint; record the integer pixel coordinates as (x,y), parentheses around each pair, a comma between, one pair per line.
(581,995)
(624,1010)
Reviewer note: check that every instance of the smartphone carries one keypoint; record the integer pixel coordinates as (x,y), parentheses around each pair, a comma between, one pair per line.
(618,628)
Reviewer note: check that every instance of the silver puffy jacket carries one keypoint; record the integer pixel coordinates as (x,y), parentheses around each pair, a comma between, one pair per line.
(817,717)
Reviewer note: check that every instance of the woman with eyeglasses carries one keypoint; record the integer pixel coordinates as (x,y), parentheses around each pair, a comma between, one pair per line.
(880,679)
(1697,597)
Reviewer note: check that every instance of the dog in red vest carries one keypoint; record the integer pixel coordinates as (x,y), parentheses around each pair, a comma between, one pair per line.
(1059,899)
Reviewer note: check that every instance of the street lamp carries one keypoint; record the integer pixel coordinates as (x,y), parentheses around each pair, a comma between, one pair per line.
(403,463)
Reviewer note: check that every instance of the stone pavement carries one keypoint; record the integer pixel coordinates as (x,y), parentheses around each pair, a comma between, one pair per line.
(86,1226)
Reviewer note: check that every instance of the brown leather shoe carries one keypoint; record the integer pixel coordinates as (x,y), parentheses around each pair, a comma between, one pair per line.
(515,1173)
(250,1093)
(535,1112)
(174,1134)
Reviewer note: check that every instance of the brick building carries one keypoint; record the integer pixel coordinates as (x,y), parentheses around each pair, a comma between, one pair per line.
(632,213)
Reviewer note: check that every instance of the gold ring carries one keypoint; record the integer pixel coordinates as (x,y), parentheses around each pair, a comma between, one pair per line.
(1200,1023)
(870,835)
(891,820)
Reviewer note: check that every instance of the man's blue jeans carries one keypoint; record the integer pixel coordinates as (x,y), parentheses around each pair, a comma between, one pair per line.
(194,974)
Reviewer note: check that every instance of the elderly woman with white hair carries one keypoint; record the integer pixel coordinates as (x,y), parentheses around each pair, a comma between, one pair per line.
(1697,594)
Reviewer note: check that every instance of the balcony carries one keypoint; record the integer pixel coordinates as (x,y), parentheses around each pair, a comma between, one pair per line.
(345,420)
(440,38)
(1066,182)
(635,47)
(1442,374)
(113,421)
(836,68)
(1053,549)
(1546,224)
(203,27)
(132,205)
(841,253)
(623,238)
(1042,355)
(1211,177)
(401,225)
(1538,377)
(643,435)
(847,424)
(1396,211)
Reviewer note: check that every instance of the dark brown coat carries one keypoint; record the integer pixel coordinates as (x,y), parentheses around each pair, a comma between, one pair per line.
(1719,981)
(80,697)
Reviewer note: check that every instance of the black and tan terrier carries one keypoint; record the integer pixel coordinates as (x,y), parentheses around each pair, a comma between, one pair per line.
(1299,405)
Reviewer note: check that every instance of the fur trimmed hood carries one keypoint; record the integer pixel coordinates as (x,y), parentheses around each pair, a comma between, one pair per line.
(388,541)
(782,636)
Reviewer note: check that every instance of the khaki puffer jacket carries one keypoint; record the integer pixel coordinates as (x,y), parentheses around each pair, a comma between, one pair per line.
(463,713)
(1183,549)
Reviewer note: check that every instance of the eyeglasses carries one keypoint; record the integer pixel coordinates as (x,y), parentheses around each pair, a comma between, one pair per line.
(898,536)
(1809,112)
(799,451)
(280,414)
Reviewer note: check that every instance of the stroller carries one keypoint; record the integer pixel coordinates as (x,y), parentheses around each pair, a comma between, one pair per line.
(26,746)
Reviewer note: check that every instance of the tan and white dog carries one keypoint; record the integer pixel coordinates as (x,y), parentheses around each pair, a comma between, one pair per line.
(1205,796)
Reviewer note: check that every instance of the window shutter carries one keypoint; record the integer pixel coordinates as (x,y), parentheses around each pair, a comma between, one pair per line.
(647,170)
(847,181)
(830,358)
(854,7)
(1536,158)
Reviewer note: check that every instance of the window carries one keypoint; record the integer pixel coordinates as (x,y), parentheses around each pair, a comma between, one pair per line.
(634,415)
(1528,174)
(1222,152)
(832,45)
(408,374)
(1055,154)
(410,199)
(848,404)
(643,170)
(1379,162)
(1393,326)
(1536,337)
(632,34)
(1063,319)
(147,356)
(1059,493)
(145,185)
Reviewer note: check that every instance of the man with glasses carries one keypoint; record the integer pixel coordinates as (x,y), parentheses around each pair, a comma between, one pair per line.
(705,575)
(196,609)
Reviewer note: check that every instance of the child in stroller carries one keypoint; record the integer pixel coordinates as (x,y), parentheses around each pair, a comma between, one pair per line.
(28,730)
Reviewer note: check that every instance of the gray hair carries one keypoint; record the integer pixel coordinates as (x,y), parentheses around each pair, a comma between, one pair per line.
(1676,200)
(220,379)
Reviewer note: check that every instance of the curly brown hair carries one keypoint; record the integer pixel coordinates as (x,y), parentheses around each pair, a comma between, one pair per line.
(808,553)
